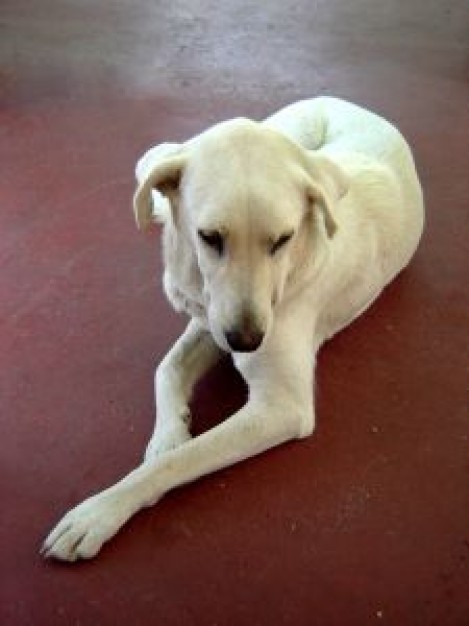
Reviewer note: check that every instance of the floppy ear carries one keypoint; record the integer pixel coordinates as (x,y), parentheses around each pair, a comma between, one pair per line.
(163,177)
(327,185)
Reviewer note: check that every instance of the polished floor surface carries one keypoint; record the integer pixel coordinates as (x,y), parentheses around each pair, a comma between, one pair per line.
(367,522)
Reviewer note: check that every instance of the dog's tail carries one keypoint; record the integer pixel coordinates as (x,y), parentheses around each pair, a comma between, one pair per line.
(304,122)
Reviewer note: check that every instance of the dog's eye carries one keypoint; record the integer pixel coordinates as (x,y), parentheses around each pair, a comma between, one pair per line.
(213,239)
(281,241)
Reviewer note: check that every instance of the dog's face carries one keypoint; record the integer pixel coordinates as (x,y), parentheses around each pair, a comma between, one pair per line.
(243,201)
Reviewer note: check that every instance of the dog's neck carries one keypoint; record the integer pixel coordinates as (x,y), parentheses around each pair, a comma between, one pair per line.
(182,280)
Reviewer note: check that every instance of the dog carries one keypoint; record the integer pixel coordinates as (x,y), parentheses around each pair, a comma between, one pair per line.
(276,235)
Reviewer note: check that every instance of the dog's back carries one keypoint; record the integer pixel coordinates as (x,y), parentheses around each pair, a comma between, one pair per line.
(334,124)
(349,134)
(358,140)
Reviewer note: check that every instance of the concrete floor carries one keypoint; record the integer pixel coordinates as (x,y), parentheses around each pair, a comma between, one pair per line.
(367,522)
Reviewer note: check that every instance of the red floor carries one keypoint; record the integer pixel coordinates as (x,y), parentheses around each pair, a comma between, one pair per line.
(367,522)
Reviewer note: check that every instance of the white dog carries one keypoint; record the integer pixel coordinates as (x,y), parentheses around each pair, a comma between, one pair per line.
(276,236)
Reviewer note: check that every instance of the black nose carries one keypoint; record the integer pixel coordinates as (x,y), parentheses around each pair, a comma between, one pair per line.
(246,340)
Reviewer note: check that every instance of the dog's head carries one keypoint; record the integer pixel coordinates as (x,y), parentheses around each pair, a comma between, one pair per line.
(248,206)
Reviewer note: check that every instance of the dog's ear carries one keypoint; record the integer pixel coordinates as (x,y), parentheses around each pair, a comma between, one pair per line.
(328,183)
(161,175)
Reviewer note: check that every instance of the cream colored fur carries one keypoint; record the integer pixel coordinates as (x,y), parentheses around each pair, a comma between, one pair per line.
(337,178)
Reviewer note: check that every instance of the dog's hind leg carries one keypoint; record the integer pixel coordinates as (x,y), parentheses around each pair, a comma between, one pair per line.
(189,359)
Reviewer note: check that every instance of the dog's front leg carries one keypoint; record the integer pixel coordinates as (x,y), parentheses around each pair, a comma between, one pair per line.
(191,356)
(279,409)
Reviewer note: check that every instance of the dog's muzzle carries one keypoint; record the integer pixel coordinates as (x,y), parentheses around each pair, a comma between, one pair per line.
(244,340)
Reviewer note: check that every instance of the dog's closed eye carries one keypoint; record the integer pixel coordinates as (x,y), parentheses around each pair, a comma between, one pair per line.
(213,239)
(281,241)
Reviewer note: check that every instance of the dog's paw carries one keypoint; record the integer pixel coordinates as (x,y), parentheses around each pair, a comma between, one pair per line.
(166,440)
(84,529)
